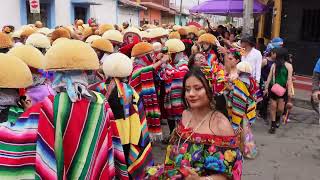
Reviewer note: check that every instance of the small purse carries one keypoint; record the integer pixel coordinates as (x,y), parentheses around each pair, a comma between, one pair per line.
(276,88)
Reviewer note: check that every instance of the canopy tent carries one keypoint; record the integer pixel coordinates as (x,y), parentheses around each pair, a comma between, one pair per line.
(226,7)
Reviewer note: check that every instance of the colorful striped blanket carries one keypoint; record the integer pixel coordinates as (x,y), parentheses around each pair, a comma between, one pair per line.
(142,80)
(131,124)
(74,143)
(173,77)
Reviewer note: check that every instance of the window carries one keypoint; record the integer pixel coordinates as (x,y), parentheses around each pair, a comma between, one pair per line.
(80,13)
(268,23)
(43,16)
(310,30)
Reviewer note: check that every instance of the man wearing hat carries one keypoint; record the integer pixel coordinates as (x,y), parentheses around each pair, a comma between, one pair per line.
(128,111)
(252,56)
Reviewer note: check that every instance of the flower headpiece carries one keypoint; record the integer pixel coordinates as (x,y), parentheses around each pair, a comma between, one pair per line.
(236,53)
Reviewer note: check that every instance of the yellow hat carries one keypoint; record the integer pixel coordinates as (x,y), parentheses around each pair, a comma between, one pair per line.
(38,40)
(202,31)
(175,45)
(26,32)
(141,48)
(145,35)
(117,65)
(38,24)
(79,22)
(207,38)
(105,27)
(130,30)
(92,38)
(87,32)
(113,35)
(59,33)
(193,29)
(103,45)
(14,73)
(71,55)
(60,40)
(29,54)
(5,41)
(44,31)
(174,35)
(183,31)
(158,32)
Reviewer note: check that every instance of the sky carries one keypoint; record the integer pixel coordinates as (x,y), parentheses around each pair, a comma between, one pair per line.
(187,3)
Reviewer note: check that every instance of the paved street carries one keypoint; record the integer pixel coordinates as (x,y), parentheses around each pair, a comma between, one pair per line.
(293,153)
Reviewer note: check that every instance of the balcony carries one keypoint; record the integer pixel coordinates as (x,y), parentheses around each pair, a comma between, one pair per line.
(162,5)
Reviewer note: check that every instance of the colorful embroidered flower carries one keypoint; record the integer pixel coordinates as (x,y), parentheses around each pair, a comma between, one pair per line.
(185,163)
(196,156)
(230,155)
(178,160)
(213,163)
(212,149)
(237,170)
(184,148)
(198,140)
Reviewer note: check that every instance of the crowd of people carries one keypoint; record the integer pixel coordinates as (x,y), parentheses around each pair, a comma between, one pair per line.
(88,101)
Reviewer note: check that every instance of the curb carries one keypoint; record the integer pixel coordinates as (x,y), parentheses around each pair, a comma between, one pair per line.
(302,103)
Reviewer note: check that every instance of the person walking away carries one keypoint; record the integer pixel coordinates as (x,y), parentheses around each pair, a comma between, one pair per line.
(279,86)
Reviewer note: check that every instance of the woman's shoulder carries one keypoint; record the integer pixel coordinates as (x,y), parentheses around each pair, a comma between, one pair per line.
(223,124)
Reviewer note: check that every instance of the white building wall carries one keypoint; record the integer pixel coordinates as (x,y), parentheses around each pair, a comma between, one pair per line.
(62,12)
(10,13)
(129,15)
(106,12)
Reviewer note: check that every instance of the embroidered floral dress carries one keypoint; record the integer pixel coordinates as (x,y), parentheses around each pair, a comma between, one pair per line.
(206,154)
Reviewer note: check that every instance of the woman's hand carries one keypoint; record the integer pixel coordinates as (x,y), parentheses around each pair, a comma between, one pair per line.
(265,92)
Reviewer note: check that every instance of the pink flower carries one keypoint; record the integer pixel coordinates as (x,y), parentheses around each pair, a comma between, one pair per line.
(221,156)
(212,149)
(185,163)
(237,170)
(198,140)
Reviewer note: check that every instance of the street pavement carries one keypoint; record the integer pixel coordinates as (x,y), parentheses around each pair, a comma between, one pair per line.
(293,153)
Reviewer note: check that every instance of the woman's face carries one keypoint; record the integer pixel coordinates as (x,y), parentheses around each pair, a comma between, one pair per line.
(196,94)
(273,55)
(200,60)
(232,38)
(227,35)
(230,61)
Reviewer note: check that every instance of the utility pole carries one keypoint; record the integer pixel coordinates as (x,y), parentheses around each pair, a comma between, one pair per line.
(181,12)
(247,17)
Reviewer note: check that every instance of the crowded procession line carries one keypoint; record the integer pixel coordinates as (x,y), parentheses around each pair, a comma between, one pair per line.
(88,101)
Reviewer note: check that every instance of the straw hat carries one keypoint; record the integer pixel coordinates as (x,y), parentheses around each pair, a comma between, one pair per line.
(71,55)
(183,31)
(131,30)
(174,35)
(88,31)
(44,31)
(201,32)
(29,54)
(145,35)
(141,48)
(105,27)
(193,29)
(92,38)
(16,34)
(79,22)
(113,35)
(5,41)
(176,27)
(103,45)
(59,33)
(175,45)
(38,24)
(207,38)
(26,32)
(244,67)
(157,46)
(14,73)
(117,65)
(60,40)
(158,32)
(39,41)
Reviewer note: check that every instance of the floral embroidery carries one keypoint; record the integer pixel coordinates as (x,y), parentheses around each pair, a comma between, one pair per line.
(230,155)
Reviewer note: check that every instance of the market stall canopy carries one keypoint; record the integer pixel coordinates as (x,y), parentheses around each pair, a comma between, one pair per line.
(226,7)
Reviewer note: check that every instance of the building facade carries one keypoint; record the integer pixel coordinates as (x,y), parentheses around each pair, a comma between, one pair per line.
(64,12)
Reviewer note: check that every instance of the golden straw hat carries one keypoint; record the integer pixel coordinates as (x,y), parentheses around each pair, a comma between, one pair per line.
(92,38)
(174,35)
(193,29)
(183,31)
(176,27)
(207,38)
(16,34)
(117,65)
(59,33)
(71,55)
(29,54)
(244,67)
(175,45)
(26,32)
(141,48)
(113,35)
(44,31)
(103,45)
(158,32)
(14,73)
(105,27)
(38,40)
(60,40)
(5,41)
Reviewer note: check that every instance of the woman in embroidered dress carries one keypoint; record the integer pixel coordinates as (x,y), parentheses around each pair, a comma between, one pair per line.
(204,145)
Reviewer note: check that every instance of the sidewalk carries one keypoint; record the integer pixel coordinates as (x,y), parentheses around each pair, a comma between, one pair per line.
(302,87)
